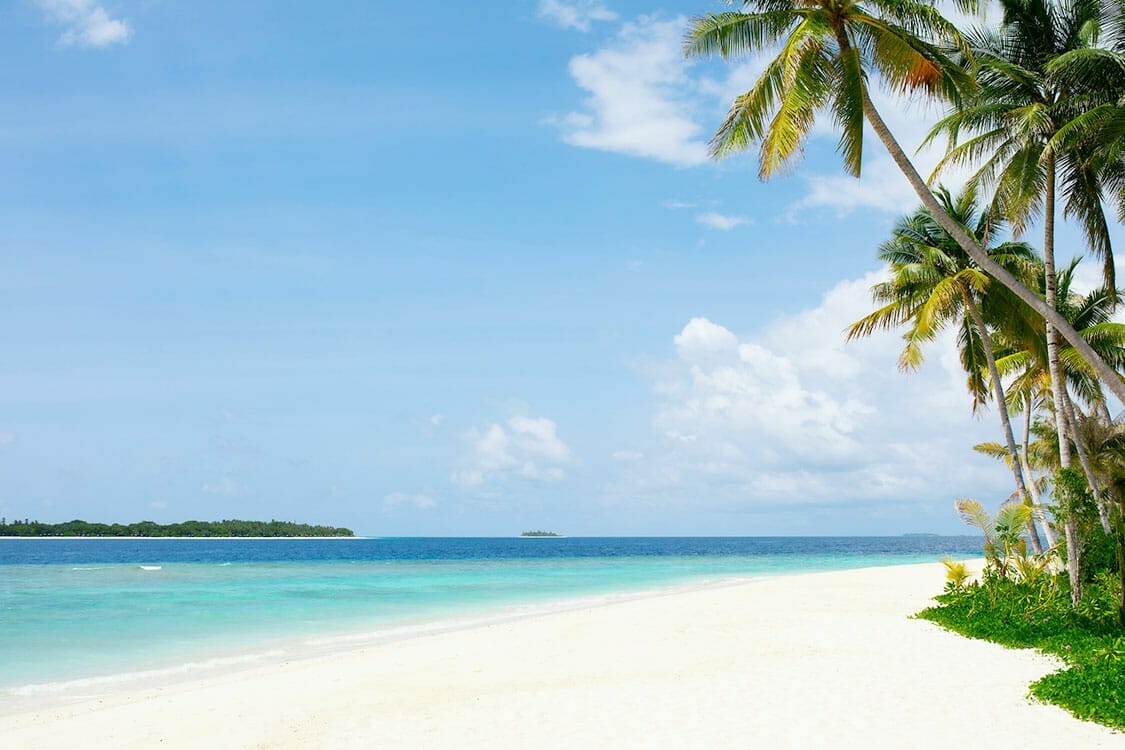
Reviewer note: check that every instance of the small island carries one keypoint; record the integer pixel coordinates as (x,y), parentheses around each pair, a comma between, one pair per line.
(226,528)
(541,534)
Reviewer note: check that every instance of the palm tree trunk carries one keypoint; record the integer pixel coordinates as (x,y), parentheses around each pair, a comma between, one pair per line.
(1084,460)
(1002,408)
(1048,532)
(1058,385)
(1105,373)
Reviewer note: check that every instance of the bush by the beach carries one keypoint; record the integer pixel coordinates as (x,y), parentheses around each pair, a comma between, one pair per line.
(1088,638)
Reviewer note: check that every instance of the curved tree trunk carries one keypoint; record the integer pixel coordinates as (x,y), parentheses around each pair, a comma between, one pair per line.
(1048,532)
(1002,408)
(1058,385)
(1106,374)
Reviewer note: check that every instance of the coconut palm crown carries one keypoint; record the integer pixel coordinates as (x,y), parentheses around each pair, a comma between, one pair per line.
(827,49)
(1026,95)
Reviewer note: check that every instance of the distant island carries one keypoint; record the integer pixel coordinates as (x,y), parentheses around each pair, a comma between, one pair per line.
(540,533)
(229,528)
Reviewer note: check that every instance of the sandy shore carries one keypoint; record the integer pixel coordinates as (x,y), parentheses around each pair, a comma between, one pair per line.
(794,662)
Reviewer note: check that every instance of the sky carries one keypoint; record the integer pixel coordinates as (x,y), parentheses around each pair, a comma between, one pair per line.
(460,269)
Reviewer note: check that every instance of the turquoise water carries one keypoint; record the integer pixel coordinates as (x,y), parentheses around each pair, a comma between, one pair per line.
(76,613)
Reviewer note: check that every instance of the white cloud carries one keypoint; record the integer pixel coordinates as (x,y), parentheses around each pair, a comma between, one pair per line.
(627,456)
(793,414)
(158,505)
(575,14)
(723,222)
(527,447)
(6,439)
(640,100)
(437,419)
(85,23)
(399,499)
(676,205)
(225,486)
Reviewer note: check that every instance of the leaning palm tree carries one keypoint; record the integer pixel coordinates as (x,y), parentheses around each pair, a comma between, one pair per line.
(828,50)
(935,284)
(1010,118)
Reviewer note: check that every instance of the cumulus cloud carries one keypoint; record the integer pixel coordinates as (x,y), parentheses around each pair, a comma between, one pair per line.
(224,486)
(85,23)
(575,14)
(526,447)
(722,222)
(402,499)
(640,100)
(793,414)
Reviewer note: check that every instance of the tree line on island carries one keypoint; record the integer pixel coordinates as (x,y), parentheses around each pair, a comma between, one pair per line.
(1035,114)
(227,528)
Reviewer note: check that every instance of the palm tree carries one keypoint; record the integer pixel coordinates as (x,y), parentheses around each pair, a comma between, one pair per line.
(828,49)
(1024,354)
(1095,76)
(1003,535)
(1023,338)
(1011,117)
(933,284)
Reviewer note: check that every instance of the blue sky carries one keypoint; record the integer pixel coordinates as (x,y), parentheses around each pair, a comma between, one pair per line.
(458,269)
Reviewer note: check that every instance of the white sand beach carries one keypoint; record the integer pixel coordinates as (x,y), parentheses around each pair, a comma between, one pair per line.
(808,661)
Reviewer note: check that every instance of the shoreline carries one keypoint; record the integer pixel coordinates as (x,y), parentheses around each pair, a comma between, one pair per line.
(788,660)
(224,655)
(222,662)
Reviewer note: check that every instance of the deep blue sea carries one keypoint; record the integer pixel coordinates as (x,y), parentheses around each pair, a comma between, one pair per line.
(80,615)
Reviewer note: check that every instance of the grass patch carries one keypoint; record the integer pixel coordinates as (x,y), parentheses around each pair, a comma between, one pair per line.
(1020,615)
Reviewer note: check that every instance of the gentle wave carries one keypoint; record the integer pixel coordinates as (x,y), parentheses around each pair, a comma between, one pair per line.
(151,567)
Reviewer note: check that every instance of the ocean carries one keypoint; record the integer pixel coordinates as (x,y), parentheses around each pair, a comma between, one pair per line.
(83,617)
